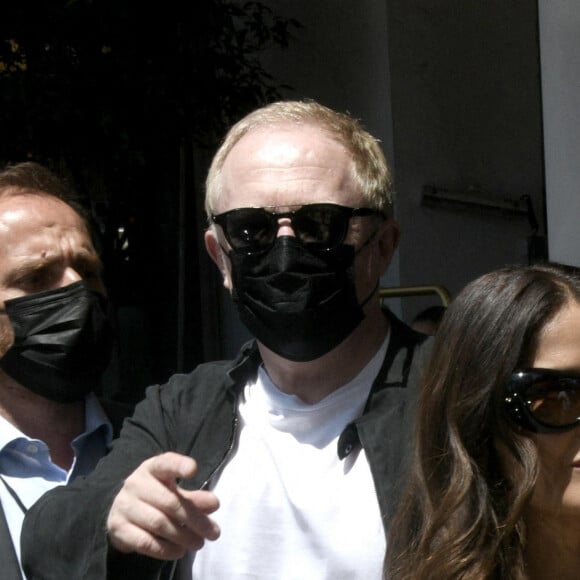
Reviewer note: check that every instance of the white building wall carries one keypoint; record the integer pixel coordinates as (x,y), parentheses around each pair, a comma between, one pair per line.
(452,90)
(560,59)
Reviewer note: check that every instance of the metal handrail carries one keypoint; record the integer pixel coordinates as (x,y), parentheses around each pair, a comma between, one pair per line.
(402,291)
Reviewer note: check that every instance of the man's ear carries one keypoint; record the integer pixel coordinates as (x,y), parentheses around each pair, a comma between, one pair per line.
(216,253)
(388,241)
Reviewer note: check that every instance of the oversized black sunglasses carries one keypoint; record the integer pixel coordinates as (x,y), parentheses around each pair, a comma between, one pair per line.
(544,400)
(321,226)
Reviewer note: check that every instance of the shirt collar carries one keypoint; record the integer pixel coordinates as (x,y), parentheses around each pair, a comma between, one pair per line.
(8,433)
(95,419)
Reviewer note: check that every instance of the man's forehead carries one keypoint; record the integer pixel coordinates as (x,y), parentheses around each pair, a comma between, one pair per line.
(19,200)
(287,165)
(36,220)
(284,139)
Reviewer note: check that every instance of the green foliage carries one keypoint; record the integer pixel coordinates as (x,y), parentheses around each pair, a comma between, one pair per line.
(120,78)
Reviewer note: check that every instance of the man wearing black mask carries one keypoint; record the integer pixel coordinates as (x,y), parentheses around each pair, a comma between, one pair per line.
(55,342)
(286,459)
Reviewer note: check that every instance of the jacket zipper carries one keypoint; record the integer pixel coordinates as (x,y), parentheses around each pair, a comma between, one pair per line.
(228,451)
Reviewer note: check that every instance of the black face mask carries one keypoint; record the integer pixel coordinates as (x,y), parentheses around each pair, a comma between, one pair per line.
(62,342)
(298,303)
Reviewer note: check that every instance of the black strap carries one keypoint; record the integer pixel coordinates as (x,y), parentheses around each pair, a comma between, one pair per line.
(14,496)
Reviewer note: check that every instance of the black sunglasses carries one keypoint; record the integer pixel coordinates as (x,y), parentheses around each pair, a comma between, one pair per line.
(321,226)
(544,400)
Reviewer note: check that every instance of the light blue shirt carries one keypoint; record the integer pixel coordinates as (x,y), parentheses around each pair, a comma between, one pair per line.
(26,466)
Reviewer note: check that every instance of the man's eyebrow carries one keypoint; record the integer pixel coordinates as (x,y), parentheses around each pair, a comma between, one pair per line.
(88,259)
(31,265)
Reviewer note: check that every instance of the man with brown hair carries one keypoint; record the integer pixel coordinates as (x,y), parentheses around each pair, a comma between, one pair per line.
(55,341)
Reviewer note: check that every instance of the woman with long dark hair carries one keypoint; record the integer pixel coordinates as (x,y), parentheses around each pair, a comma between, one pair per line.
(494,488)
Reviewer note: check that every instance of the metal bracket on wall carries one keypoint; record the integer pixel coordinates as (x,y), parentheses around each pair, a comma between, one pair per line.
(474,201)
(477,202)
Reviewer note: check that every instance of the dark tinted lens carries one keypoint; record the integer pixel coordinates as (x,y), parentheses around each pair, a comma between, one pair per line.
(321,225)
(555,401)
(249,229)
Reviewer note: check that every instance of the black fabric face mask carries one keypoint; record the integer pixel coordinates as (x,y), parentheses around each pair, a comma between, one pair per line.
(300,304)
(62,342)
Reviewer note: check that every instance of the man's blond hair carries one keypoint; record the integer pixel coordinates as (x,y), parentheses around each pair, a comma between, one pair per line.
(371,172)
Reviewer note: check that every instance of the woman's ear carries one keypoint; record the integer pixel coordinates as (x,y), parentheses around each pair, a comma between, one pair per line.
(217,254)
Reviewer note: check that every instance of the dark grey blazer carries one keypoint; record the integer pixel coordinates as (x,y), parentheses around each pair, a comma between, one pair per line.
(9,568)
(196,415)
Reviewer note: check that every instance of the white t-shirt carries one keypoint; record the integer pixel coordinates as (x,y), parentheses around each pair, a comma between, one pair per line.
(290,509)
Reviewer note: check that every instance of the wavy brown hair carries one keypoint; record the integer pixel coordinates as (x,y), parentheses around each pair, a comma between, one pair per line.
(460,516)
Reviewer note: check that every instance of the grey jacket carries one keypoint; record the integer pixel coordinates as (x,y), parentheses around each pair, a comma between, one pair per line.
(196,415)
(10,569)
